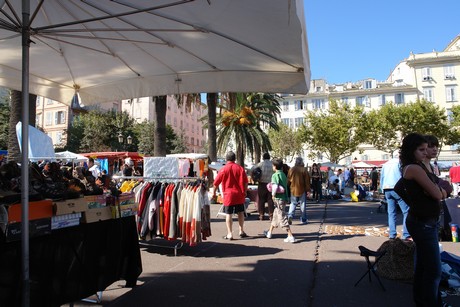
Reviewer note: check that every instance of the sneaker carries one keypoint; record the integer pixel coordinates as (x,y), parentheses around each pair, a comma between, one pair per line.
(290,220)
(303,222)
(289,239)
(267,234)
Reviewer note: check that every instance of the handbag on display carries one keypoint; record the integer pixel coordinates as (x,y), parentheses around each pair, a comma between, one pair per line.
(280,188)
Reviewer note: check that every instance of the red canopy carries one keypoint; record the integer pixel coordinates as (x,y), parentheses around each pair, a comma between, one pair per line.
(113,155)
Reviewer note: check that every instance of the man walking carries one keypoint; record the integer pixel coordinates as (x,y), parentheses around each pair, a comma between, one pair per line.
(389,175)
(263,195)
(299,182)
(234,186)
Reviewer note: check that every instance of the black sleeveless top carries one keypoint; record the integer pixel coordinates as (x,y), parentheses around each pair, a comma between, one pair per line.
(421,204)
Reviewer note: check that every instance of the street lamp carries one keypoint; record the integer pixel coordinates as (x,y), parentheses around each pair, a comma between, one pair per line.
(129,140)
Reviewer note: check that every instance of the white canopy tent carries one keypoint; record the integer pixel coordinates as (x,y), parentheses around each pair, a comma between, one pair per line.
(362,164)
(112,50)
(70,156)
(108,50)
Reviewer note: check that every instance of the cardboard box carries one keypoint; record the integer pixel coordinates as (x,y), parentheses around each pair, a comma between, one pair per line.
(125,210)
(66,220)
(96,201)
(96,215)
(38,227)
(37,210)
(69,206)
(126,199)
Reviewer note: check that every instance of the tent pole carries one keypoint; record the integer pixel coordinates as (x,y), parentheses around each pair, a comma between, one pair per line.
(25,154)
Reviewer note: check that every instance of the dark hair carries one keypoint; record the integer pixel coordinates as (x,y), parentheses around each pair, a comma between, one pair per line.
(431,140)
(266,156)
(278,163)
(90,160)
(230,156)
(409,144)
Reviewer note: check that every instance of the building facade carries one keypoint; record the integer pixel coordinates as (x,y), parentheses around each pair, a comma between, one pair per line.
(432,76)
(185,123)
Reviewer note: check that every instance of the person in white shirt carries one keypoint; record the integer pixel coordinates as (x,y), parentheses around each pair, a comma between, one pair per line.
(94,168)
(389,175)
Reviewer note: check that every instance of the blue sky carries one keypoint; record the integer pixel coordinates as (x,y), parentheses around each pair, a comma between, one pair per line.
(355,39)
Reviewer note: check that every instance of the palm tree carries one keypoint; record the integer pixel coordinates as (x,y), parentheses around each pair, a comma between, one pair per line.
(211,101)
(244,117)
(159,140)
(14,153)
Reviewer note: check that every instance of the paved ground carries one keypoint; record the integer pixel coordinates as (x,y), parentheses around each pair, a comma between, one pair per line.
(319,270)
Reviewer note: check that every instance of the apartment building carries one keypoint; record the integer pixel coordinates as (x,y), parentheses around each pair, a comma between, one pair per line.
(185,123)
(433,76)
(56,117)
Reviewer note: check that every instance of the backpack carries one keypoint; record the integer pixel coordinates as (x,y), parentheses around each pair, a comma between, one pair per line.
(256,174)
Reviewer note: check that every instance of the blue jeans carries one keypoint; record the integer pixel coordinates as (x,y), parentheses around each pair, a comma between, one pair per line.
(427,261)
(392,199)
(303,206)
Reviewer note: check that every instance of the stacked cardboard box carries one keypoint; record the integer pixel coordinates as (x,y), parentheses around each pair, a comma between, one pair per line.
(125,205)
(40,213)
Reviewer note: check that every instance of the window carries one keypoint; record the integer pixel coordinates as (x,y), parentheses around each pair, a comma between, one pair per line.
(192,140)
(449,72)
(318,103)
(197,142)
(58,137)
(345,100)
(385,157)
(49,118)
(319,89)
(285,105)
(59,118)
(428,94)
(382,100)
(285,121)
(399,98)
(181,124)
(298,122)
(360,101)
(175,122)
(450,115)
(299,105)
(426,73)
(368,84)
(451,93)
(49,101)
(367,102)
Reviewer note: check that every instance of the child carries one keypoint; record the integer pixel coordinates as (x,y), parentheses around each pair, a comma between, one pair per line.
(280,199)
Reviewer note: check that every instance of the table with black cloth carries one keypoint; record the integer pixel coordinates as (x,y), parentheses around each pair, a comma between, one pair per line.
(72,263)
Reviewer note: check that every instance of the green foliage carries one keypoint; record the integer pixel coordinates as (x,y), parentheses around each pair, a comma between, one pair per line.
(4,120)
(337,132)
(176,143)
(242,120)
(383,128)
(285,142)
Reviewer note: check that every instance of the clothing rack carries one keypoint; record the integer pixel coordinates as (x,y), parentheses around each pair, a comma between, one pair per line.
(179,243)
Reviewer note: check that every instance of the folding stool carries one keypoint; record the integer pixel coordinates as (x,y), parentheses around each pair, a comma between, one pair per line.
(366,253)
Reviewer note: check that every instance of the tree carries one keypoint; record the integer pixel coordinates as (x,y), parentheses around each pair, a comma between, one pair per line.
(144,132)
(211,102)
(14,153)
(426,118)
(160,126)
(454,132)
(383,128)
(336,132)
(178,144)
(4,121)
(241,120)
(285,142)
